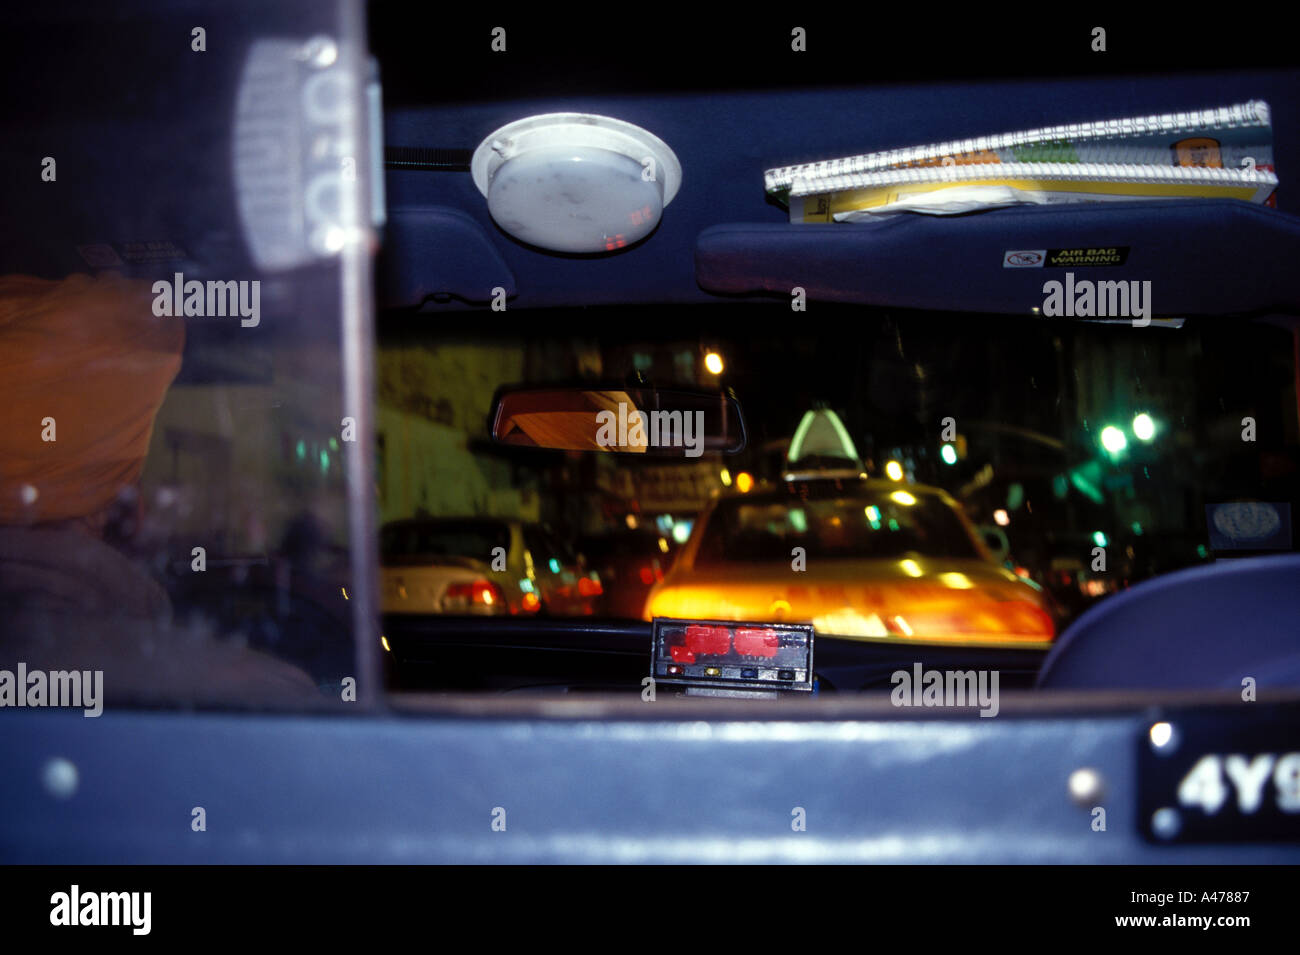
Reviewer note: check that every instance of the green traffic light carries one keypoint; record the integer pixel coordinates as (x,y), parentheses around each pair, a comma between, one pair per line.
(1144,429)
(949,454)
(1099,539)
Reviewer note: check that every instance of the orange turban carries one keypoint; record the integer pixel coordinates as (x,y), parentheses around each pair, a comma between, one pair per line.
(90,354)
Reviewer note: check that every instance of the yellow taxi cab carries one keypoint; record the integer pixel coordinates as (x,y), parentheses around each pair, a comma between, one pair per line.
(856,557)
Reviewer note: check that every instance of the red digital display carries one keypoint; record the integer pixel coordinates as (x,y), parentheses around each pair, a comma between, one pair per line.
(755,642)
(706,639)
(714,654)
(681,654)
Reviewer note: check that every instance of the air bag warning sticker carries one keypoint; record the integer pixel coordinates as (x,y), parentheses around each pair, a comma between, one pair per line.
(1080,257)
(1074,258)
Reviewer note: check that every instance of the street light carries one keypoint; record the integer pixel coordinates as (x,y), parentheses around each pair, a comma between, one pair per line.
(713,362)
(1144,429)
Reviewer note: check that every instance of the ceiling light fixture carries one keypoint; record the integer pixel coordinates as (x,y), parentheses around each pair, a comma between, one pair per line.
(576,182)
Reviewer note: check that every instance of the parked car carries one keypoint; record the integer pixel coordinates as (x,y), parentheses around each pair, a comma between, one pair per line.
(475,565)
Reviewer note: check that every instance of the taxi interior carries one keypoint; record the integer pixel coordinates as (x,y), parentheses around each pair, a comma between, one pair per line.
(1115,713)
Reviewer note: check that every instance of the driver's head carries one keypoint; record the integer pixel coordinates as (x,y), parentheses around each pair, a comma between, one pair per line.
(84,366)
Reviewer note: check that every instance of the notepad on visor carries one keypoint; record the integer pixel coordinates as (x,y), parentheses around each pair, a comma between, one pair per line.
(1224,152)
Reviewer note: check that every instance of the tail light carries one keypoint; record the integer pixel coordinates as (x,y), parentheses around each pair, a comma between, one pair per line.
(479,596)
(589,587)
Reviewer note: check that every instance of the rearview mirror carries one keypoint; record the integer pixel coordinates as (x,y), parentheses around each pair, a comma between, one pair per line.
(616,418)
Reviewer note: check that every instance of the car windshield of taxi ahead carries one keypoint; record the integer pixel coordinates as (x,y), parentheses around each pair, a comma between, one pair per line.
(910,488)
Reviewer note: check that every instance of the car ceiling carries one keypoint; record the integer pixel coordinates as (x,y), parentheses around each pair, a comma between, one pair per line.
(725,140)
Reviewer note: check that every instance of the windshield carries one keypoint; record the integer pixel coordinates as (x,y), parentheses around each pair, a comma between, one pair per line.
(1032,461)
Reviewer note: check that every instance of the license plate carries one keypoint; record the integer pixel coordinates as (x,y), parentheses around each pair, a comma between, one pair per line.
(1221,776)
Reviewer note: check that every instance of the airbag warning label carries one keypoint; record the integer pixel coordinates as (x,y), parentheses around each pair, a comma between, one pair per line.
(1064,258)
(1083,257)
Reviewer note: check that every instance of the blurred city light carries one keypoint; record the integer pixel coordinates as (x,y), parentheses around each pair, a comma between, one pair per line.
(1113,440)
(902,497)
(713,362)
(725,477)
(1144,429)
(1099,539)
(1001,518)
(744,482)
(894,471)
(949,454)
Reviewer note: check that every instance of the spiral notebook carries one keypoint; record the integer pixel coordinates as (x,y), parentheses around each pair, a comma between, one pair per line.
(959,189)
(1224,152)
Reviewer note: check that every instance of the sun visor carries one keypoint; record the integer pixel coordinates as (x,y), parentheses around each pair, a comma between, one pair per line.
(1215,256)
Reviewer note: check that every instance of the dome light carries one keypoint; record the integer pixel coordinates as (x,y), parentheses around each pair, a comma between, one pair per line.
(576,182)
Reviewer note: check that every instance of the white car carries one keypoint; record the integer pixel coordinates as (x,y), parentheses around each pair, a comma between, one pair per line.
(478,565)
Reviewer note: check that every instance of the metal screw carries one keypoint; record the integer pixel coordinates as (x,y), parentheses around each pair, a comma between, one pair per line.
(60,777)
(1166,822)
(1164,737)
(1085,786)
